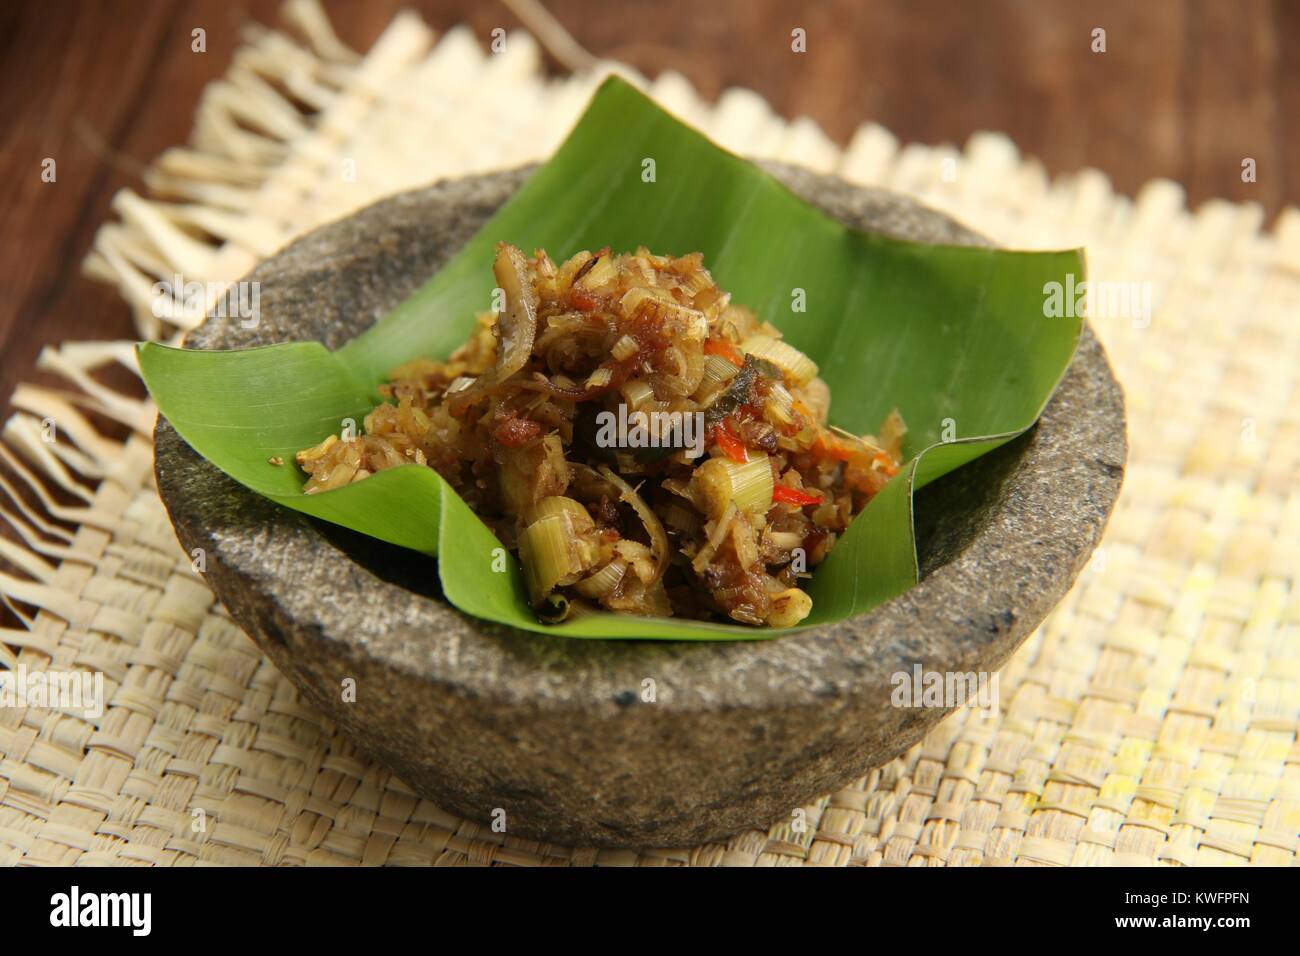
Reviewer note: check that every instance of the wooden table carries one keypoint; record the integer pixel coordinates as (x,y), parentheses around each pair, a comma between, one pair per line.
(1184,90)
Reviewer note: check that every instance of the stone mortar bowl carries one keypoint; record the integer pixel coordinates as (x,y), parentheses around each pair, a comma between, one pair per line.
(478,717)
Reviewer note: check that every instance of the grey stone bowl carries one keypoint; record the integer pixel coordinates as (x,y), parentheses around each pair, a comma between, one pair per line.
(480,718)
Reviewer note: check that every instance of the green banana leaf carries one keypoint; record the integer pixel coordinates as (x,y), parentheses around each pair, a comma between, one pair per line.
(942,332)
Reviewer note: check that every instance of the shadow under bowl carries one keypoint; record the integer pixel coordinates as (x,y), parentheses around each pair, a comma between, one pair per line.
(555,732)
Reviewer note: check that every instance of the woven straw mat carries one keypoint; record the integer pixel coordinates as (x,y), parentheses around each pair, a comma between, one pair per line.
(1151,719)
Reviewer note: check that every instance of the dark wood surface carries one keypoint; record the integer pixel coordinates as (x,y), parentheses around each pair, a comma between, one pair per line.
(1185,90)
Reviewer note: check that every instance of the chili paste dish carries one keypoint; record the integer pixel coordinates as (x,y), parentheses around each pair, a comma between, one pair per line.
(598,541)
(595,437)
(642,442)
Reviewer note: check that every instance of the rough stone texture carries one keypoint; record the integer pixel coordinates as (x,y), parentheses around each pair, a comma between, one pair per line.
(476,716)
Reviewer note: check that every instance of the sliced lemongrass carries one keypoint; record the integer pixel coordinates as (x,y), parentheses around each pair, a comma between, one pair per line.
(624,348)
(691,324)
(640,265)
(697,281)
(798,368)
(720,481)
(683,370)
(717,373)
(518,323)
(559,505)
(637,296)
(599,275)
(751,483)
(637,393)
(601,377)
(544,549)
(719,369)
(604,581)
(780,405)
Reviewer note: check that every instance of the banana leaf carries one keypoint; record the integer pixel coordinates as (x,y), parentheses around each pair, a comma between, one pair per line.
(955,337)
